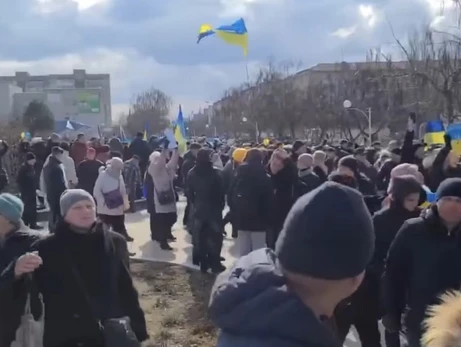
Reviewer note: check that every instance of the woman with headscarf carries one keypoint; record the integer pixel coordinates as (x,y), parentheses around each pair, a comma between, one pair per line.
(205,193)
(110,194)
(161,198)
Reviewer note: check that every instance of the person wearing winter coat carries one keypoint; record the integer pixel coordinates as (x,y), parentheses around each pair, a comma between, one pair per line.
(251,203)
(423,262)
(69,166)
(132,177)
(140,148)
(82,256)
(284,298)
(15,240)
(443,328)
(190,158)
(404,200)
(110,195)
(161,198)
(348,165)
(78,149)
(287,189)
(88,171)
(116,145)
(206,195)
(27,184)
(305,172)
(55,183)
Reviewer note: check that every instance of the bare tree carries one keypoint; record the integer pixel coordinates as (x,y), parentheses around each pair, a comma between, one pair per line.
(435,61)
(149,109)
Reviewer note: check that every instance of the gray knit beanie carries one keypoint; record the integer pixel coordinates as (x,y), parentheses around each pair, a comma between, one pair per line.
(71,197)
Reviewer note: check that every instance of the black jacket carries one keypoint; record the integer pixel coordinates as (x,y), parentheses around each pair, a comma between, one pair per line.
(187,165)
(205,191)
(310,179)
(424,261)
(87,174)
(103,267)
(27,182)
(14,245)
(251,198)
(55,182)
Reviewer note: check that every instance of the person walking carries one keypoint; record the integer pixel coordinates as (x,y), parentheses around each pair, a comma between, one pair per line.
(205,193)
(110,194)
(251,203)
(55,184)
(27,184)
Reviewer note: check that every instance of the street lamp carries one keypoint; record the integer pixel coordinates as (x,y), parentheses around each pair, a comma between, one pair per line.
(348,106)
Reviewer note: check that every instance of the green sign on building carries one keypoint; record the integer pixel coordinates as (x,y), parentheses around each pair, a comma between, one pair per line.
(88,102)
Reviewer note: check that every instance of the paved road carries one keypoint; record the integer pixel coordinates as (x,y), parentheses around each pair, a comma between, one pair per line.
(145,249)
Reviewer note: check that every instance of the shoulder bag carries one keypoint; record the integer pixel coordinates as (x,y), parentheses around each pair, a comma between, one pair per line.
(117,332)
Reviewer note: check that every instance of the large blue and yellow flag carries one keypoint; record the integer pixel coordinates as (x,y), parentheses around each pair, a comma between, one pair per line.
(435,132)
(234,34)
(180,133)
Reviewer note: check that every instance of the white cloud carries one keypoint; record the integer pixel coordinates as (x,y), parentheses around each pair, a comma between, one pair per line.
(369,14)
(344,33)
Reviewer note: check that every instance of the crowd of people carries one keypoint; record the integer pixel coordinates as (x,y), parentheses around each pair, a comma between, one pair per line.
(329,237)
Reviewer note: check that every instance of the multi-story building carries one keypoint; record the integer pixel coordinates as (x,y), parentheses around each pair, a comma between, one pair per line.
(79,96)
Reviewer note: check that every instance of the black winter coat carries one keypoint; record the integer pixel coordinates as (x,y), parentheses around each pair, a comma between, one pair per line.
(424,261)
(205,191)
(311,180)
(55,182)
(251,198)
(27,182)
(15,244)
(101,258)
(87,174)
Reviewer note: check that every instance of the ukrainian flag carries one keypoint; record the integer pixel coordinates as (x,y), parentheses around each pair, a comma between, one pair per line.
(180,133)
(234,34)
(435,132)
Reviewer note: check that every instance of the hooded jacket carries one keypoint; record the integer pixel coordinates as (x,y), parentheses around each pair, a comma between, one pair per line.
(239,307)
(69,168)
(443,328)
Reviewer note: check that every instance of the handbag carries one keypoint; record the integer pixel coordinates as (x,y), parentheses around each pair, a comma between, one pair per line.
(165,197)
(30,331)
(114,198)
(117,332)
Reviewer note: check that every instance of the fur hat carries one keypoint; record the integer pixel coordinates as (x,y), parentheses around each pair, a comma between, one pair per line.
(443,327)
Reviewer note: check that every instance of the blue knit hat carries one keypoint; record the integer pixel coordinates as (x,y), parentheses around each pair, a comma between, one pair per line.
(11,208)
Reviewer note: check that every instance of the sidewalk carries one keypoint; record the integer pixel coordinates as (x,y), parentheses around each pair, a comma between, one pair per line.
(146,249)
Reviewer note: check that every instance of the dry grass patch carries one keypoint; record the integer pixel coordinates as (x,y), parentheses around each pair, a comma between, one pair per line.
(175,301)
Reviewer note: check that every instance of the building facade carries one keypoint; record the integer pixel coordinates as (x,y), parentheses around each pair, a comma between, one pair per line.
(79,96)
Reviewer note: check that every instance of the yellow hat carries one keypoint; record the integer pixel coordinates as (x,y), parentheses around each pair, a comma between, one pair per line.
(239,155)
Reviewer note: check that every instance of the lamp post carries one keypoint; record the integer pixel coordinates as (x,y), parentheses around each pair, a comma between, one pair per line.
(245,120)
(348,106)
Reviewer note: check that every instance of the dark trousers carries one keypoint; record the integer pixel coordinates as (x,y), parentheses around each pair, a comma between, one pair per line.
(365,324)
(392,339)
(160,226)
(29,216)
(117,223)
(185,219)
(53,217)
(207,240)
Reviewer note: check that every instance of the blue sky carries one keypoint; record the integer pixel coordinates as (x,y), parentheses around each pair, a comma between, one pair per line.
(145,43)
